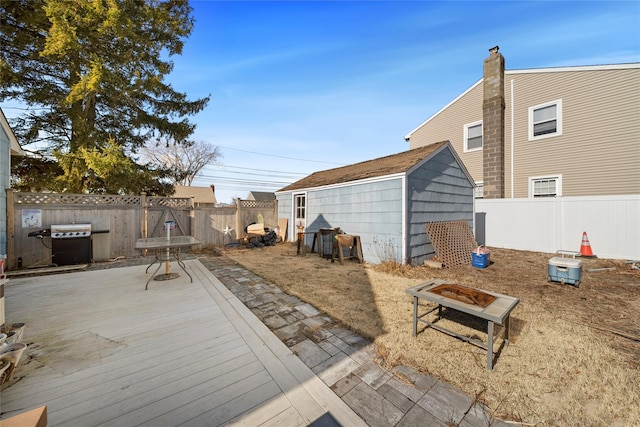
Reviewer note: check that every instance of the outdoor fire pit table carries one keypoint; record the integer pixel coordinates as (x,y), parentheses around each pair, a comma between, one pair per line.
(166,248)
(490,306)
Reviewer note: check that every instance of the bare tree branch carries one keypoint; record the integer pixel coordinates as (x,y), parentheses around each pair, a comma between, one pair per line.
(184,160)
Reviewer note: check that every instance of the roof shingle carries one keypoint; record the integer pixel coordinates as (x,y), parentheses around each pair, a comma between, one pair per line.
(382,166)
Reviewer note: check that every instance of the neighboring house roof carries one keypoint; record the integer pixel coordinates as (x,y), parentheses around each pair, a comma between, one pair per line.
(395,163)
(261,196)
(200,194)
(531,71)
(16,150)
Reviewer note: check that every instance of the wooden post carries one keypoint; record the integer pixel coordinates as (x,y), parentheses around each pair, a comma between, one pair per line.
(192,216)
(275,211)
(239,231)
(11,231)
(300,238)
(143,218)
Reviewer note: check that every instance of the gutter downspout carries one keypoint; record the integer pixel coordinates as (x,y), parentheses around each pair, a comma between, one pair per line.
(512,136)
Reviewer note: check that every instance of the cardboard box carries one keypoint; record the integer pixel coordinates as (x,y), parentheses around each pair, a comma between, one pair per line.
(34,418)
(565,270)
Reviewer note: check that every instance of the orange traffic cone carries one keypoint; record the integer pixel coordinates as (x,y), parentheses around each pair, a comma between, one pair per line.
(585,247)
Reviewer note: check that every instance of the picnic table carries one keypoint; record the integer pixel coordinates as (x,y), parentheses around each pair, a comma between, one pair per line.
(166,248)
(490,306)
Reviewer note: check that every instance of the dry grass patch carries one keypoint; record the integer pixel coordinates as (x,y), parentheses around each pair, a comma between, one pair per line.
(575,352)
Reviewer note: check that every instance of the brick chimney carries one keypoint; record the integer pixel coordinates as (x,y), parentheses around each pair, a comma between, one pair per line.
(493,125)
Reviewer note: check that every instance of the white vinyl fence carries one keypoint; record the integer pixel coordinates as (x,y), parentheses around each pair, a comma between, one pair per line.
(612,224)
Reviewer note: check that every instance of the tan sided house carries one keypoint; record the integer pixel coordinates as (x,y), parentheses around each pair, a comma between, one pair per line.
(202,196)
(569,131)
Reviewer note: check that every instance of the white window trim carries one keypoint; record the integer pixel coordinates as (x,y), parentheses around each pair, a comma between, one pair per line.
(557,177)
(466,134)
(294,211)
(558,132)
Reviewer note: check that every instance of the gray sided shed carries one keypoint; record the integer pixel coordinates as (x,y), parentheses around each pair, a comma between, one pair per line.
(386,201)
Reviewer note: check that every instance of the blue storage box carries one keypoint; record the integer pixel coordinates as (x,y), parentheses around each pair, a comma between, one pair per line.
(480,257)
(565,270)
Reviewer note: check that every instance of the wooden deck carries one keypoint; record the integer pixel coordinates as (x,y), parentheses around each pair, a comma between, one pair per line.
(107,352)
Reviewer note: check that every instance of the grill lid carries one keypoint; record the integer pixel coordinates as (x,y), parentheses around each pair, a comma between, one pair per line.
(68,231)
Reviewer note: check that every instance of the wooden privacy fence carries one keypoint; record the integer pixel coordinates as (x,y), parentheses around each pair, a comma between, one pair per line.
(118,221)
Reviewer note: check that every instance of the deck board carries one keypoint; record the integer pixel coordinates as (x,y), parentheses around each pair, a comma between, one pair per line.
(119,373)
(110,353)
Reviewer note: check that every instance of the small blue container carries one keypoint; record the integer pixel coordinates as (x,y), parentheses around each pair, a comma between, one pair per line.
(480,257)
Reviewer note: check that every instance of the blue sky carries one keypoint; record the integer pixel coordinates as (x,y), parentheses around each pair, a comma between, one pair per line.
(333,83)
(301,86)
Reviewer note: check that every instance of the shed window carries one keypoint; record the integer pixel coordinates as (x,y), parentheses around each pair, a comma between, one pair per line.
(545,186)
(545,120)
(473,136)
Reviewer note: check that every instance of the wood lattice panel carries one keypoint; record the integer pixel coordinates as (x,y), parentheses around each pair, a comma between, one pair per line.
(73,199)
(170,202)
(452,241)
(256,204)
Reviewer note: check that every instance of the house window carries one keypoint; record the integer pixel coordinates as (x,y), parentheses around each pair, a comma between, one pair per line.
(479,190)
(545,186)
(545,120)
(473,136)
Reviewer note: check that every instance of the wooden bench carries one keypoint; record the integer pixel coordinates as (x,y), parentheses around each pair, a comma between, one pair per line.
(343,241)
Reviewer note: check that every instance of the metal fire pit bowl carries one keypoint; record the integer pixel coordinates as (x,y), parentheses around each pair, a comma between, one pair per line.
(464,294)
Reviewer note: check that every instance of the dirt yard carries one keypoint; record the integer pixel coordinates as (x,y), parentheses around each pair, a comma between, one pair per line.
(574,356)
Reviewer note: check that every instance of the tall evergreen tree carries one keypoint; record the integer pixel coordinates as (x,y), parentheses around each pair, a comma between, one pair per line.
(92,74)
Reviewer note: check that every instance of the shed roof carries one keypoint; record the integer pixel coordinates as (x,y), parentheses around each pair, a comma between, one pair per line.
(382,166)
(200,194)
(261,196)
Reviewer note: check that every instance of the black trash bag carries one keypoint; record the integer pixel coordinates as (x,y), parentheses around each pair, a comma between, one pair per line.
(256,242)
(270,238)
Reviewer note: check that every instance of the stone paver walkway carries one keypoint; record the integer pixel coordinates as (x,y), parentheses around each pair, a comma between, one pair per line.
(346,362)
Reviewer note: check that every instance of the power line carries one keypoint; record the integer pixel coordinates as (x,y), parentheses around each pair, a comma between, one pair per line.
(241,187)
(244,181)
(280,175)
(300,174)
(281,157)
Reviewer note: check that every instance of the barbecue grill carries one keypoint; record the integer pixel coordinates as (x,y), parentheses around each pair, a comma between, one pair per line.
(71,244)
